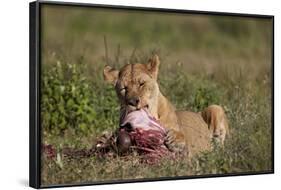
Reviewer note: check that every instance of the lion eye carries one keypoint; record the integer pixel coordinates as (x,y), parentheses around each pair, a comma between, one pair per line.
(142,83)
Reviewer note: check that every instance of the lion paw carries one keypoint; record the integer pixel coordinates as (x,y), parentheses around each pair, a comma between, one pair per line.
(175,141)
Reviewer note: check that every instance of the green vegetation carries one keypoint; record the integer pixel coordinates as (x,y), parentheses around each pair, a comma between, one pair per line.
(204,60)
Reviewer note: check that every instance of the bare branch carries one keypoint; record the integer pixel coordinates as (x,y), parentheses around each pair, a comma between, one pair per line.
(106,50)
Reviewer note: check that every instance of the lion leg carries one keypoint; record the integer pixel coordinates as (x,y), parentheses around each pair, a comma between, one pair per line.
(216,120)
(175,141)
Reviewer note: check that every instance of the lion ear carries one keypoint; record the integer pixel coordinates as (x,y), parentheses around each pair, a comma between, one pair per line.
(153,65)
(110,74)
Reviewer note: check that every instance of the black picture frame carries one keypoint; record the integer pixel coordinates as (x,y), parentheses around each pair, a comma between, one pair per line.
(34,98)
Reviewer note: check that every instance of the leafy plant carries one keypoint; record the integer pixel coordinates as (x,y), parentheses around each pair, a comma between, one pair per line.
(67,99)
(205,96)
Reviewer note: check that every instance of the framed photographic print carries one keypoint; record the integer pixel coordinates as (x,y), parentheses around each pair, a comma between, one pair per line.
(129,94)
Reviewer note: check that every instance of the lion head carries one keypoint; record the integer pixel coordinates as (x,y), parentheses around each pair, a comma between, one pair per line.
(136,85)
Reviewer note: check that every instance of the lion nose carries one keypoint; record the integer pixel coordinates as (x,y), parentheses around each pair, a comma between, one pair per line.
(134,101)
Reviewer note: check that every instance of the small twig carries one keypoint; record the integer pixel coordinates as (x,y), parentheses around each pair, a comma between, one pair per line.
(118,54)
(133,54)
(106,50)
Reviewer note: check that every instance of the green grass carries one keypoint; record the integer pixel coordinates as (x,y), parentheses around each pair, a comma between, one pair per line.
(204,60)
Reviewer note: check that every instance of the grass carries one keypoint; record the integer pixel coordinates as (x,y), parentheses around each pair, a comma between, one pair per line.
(204,60)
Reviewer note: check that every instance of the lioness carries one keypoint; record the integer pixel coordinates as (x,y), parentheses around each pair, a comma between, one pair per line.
(137,88)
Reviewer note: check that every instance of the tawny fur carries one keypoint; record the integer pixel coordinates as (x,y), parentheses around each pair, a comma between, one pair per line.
(217,122)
